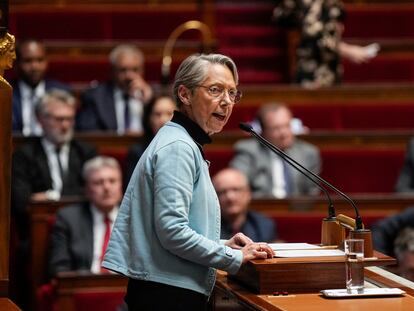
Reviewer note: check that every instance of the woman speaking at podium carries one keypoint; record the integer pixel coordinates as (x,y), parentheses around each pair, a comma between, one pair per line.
(166,238)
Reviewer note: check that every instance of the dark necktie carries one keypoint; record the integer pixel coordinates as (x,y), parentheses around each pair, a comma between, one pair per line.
(126,111)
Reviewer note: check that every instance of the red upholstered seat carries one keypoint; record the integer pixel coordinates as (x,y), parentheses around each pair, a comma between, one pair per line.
(359,170)
(219,159)
(383,68)
(379,20)
(46,298)
(105,300)
(81,22)
(355,170)
(387,114)
(306,227)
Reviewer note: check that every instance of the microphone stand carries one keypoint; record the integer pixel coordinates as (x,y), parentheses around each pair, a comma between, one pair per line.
(330,233)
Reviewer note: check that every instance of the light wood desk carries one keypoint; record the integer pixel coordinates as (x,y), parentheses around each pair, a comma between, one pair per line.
(230,295)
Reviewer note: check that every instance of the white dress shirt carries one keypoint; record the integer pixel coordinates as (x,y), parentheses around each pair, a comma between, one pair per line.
(135,112)
(29,98)
(52,160)
(279,184)
(99,229)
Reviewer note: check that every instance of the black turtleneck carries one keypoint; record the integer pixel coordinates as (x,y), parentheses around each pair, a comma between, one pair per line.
(193,129)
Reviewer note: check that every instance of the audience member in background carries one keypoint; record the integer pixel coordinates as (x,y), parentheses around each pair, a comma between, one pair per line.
(405,181)
(156,114)
(81,232)
(43,168)
(268,174)
(117,105)
(318,57)
(404,252)
(234,196)
(385,231)
(31,67)
(49,166)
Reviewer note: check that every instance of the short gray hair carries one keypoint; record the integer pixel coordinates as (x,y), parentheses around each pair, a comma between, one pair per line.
(193,70)
(51,96)
(97,163)
(127,49)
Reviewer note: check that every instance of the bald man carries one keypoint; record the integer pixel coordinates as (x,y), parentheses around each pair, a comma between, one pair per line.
(234,195)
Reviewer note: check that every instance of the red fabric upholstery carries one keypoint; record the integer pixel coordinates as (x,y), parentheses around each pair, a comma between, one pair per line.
(355,115)
(262,60)
(219,159)
(98,23)
(102,301)
(353,171)
(362,170)
(46,298)
(374,21)
(383,68)
(306,227)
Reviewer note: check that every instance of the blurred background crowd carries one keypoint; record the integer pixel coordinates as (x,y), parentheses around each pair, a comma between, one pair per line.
(329,82)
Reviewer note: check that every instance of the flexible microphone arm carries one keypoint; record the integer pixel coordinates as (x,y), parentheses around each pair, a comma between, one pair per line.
(358,221)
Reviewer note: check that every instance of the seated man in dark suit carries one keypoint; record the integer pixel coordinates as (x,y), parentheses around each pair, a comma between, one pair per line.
(117,105)
(405,181)
(385,231)
(234,195)
(268,174)
(404,252)
(81,232)
(31,67)
(50,166)
(45,168)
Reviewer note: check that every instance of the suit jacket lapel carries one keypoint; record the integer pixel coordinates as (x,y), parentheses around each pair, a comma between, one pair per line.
(42,162)
(89,234)
(73,167)
(107,107)
(17,122)
(265,164)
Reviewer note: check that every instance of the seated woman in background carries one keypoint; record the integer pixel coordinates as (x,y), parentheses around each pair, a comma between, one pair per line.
(156,114)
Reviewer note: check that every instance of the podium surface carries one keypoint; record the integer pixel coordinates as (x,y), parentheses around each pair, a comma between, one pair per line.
(294,284)
(232,295)
(300,275)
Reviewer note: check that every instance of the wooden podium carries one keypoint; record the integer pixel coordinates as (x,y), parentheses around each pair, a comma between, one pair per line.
(299,275)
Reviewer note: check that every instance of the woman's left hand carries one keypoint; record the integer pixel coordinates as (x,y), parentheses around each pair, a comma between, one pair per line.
(238,241)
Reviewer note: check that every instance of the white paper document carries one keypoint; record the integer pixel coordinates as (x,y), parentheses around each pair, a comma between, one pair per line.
(288,246)
(294,253)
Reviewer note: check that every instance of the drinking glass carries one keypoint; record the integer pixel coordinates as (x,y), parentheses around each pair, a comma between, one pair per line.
(354,265)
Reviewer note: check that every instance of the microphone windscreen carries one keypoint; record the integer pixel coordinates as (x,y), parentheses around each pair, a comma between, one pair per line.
(245,127)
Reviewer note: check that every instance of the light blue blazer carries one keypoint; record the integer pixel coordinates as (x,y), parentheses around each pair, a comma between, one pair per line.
(168,226)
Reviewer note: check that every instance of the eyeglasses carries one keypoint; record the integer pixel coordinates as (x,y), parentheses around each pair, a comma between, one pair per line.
(217,91)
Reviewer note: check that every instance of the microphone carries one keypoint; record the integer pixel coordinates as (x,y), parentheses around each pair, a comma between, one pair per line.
(309,174)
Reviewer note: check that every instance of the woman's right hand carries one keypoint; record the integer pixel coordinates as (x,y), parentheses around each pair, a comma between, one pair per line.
(259,250)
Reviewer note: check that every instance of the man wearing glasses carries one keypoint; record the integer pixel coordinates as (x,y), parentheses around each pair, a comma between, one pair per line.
(50,166)
(46,168)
